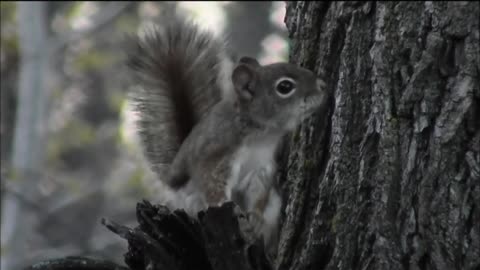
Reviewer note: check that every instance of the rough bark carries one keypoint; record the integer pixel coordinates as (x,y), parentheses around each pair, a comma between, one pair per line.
(391,181)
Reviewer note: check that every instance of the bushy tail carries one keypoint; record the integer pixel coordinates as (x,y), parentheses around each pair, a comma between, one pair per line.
(181,71)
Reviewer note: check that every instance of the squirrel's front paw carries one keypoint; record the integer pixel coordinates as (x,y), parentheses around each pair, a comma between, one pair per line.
(256,222)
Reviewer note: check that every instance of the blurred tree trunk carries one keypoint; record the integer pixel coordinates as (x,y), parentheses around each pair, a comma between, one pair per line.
(392,180)
(29,140)
(246,40)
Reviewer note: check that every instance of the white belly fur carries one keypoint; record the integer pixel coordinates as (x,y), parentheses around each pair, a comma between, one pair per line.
(248,164)
(248,161)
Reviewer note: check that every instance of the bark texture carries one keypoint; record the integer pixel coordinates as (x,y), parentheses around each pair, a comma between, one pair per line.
(392,179)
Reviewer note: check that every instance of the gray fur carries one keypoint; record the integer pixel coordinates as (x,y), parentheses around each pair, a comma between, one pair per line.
(229,154)
(216,124)
(181,73)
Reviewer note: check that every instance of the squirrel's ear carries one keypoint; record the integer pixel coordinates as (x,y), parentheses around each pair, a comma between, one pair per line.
(243,78)
(249,61)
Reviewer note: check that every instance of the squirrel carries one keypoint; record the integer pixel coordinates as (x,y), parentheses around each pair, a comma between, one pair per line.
(211,126)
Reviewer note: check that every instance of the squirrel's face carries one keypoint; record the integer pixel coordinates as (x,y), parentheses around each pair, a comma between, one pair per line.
(279,95)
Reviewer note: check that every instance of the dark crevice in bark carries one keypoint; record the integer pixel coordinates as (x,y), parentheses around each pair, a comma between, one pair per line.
(332,62)
(323,150)
(424,262)
(321,9)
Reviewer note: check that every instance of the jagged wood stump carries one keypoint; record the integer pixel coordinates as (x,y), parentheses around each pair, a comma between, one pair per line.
(220,238)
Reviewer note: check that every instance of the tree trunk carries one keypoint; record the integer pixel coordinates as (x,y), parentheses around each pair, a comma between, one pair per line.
(391,181)
(30,133)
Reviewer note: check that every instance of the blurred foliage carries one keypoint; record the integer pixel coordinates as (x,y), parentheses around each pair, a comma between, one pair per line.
(93,60)
(135,183)
(74,10)
(9,59)
(7,12)
(76,134)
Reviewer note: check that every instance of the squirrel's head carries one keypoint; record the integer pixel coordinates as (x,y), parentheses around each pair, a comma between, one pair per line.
(279,95)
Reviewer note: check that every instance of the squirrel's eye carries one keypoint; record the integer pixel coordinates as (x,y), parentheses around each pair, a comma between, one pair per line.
(285,87)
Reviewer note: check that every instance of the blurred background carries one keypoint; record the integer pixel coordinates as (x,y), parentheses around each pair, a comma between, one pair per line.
(69,152)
